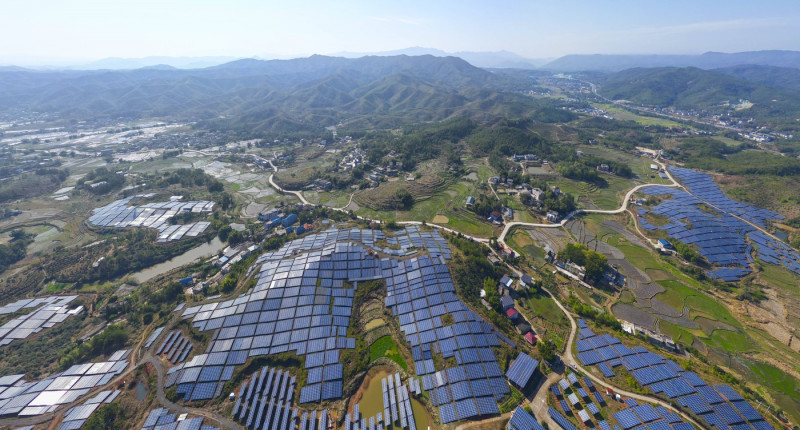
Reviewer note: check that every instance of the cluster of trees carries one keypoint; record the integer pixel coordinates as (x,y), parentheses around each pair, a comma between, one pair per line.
(547,349)
(14,251)
(106,179)
(131,251)
(111,416)
(486,205)
(404,199)
(580,172)
(470,268)
(492,295)
(710,154)
(687,252)
(419,143)
(106,342)
(191,178)
(563,203)
(602,318)
(594,262)
(31,184)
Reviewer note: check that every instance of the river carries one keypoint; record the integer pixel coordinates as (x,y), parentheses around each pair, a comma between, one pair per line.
(203,251)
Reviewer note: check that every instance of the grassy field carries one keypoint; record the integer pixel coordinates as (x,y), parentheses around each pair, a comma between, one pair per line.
(439,205)
(722,336)
(611,195)
(545,313)
(626,115)
(522,242)
(385,347)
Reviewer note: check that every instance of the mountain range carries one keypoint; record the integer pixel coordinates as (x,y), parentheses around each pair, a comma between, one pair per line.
(489,60)
(709,60)
(311,92)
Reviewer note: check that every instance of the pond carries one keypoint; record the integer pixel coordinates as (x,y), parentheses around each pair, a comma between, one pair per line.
(203,251)
(141,391)
(370,399)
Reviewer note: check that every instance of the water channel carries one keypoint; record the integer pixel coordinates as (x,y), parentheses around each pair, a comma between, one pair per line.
(202,251)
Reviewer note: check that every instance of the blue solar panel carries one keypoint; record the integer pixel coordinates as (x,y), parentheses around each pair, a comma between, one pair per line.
(560,419)
(607,372)
(728,392)
(710,395)
(696,404)
(487,406)
(522,369)
(522,420)
(599,397)
(646,413)
(310,393)
(747,411)
(627,419)
(448,413)
(728,413)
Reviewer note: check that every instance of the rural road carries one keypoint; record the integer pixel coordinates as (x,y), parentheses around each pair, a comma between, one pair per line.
(622,208)
(572,362)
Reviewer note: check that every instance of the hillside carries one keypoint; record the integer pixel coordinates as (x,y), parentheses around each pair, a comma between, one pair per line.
(685,88)
(778,77)
(279,94)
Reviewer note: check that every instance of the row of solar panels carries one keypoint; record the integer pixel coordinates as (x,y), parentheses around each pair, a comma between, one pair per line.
(48,312)
(76,417)
(22,398)
(161,418)
(458,393)
(667,377)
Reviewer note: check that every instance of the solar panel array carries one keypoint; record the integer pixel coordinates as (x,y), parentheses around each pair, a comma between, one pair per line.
(719,235)
(267,400)
(702,186)
(522,369)
(397,410)
(162,419)
(666,377)
(419,292)
(118,214)
(150,340)
(300,303)
(561,420)
(586,407)
(22,398)
(522,420)
(776,252)
(175,347)
(77,416)
(48,312)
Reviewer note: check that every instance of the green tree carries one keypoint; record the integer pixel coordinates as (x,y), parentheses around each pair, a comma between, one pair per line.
(405,198)
(574,252)
(547,349)
(596,264)
(492,296)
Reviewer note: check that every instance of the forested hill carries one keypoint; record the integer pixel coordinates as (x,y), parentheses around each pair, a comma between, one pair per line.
(689,88)
(778,77)
(279,94)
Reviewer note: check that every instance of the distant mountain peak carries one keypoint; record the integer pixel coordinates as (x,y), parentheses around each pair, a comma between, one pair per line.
(707,60)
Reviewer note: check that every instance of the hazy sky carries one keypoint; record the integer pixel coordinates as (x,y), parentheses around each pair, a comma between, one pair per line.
(34,31)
